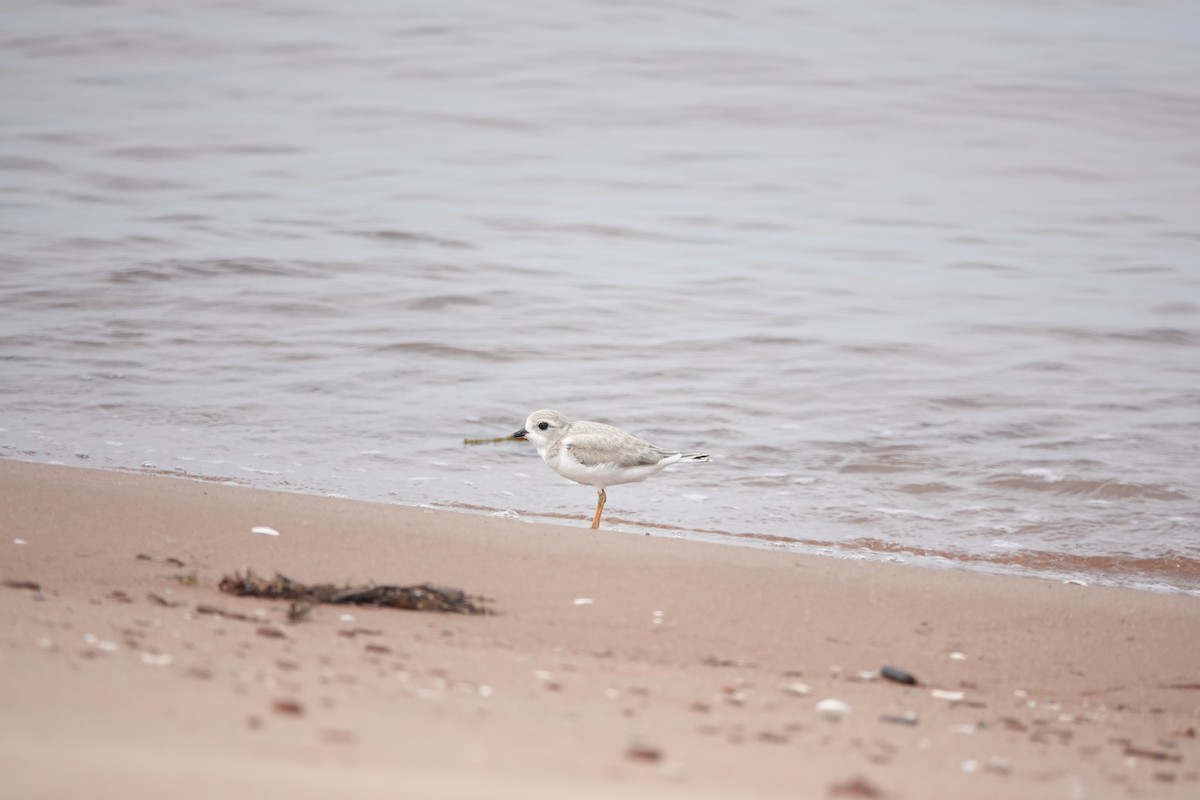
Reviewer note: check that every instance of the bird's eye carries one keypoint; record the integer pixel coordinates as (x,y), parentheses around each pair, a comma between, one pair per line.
(543,425)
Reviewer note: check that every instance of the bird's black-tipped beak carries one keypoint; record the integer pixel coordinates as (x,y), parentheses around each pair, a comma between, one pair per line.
(521,434)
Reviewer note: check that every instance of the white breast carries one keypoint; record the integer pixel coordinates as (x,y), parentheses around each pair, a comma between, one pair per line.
(602,475)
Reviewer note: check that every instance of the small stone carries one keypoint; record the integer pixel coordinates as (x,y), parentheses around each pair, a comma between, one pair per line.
(288,708)
(998,765)
(644,753)
(855,787)
(898,675)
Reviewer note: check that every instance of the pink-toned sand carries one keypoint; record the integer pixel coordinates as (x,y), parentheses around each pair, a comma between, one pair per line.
(694,670)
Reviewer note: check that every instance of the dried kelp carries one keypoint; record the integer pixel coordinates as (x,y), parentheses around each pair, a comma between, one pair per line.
(421,597)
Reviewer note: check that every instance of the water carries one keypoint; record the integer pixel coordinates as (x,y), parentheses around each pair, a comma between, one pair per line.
(923,277)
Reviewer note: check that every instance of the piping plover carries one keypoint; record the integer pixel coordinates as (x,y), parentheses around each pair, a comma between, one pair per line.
(596,454)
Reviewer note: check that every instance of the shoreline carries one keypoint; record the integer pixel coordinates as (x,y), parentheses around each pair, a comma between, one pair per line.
(1090,570)
(694,670)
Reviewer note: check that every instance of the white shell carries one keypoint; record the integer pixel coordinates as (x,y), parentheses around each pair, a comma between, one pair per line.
(832,708)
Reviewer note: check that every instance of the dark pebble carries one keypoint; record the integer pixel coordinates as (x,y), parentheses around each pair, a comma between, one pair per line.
(898,675)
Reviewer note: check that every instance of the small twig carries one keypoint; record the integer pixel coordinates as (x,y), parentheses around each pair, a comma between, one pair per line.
(495,440)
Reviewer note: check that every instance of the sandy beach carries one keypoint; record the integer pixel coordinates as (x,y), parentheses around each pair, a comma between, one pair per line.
(612,665)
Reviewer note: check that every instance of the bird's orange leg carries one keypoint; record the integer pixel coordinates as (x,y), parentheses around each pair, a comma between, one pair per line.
(599,509)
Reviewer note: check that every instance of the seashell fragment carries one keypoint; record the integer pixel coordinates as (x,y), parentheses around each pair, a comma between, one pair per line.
(156,659)
(833,709)
(907,718)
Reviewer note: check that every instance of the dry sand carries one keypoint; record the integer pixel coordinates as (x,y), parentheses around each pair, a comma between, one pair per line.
(694,671)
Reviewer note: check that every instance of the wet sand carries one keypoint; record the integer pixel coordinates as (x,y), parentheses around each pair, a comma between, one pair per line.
(614,664)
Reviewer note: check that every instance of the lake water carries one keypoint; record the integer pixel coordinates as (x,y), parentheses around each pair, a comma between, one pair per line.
(923,277)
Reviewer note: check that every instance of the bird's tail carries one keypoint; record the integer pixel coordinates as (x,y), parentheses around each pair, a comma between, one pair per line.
(695,457)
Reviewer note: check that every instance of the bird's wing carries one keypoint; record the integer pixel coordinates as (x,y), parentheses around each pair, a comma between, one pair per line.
(602,444)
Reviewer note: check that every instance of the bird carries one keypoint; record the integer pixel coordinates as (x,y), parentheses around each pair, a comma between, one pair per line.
(595,454)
